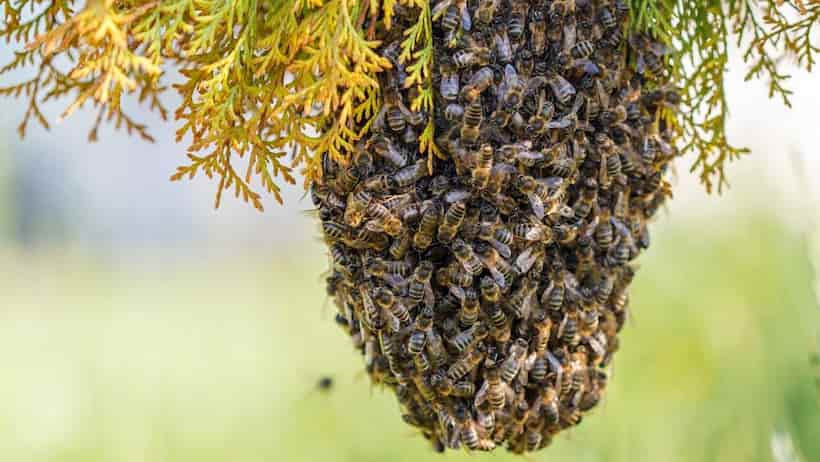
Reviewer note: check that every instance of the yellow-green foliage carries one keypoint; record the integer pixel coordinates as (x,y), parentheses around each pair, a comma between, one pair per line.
(700,34)
(264,80)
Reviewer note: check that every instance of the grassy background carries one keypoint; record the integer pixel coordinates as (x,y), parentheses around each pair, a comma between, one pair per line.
(216,359)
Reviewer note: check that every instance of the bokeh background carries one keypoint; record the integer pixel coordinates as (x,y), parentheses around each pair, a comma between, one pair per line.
(139,324)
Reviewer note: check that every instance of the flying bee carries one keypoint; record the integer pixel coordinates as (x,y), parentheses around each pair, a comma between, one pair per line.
(418,288)
(468,314)
(478,82)
(471,122)
(465,255)
(427,227)
(481,172)
(486,11)
(385,148)
(538,32)
(454,18)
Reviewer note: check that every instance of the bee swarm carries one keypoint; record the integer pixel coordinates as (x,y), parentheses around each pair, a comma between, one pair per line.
(489,295)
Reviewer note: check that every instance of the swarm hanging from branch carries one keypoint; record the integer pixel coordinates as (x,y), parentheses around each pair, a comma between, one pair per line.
(279,83)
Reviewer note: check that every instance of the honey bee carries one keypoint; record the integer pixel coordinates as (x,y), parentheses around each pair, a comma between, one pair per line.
(561,88)
(386,221)
(466,257)
(490,232)
(519,303)
(468,338)
(435,349)
(486,11)
(454,18)
(418,288)
(347,179)
(468,314)
(400,245)
(422,326)
(385,148)
(493,391)
(607,18)
(410,174)
(452,221)
(515,358)
(650,54)
(385,300)
(479,81)
(539,122)
(538,32)
(475,55)
(468,433)
(489,257)
(481,172)
(568,331)
(511,90)
(449,85)
(427,227)
(550,406)
(604,233)
(517,21)
(471,122)
(334,231)
(466,363)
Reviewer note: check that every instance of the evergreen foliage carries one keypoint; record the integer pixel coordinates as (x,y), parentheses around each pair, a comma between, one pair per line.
(279,83)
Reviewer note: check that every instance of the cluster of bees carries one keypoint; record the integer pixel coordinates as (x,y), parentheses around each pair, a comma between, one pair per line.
(488,293)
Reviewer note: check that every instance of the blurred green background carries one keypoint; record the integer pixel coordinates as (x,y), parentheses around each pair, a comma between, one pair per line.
(137,324)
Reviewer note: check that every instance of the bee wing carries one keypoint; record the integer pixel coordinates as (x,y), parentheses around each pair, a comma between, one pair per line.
(525,260)
(570,35)
(429,296)
(458,292)
(537,206)
(502,248)
(466,20)
(561,123)
(556,368)
(440,8)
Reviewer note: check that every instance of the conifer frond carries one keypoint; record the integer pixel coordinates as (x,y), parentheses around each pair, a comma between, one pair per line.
(699,34)
(281,83)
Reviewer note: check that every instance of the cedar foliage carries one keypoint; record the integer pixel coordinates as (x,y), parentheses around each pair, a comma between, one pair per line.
(279,83)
